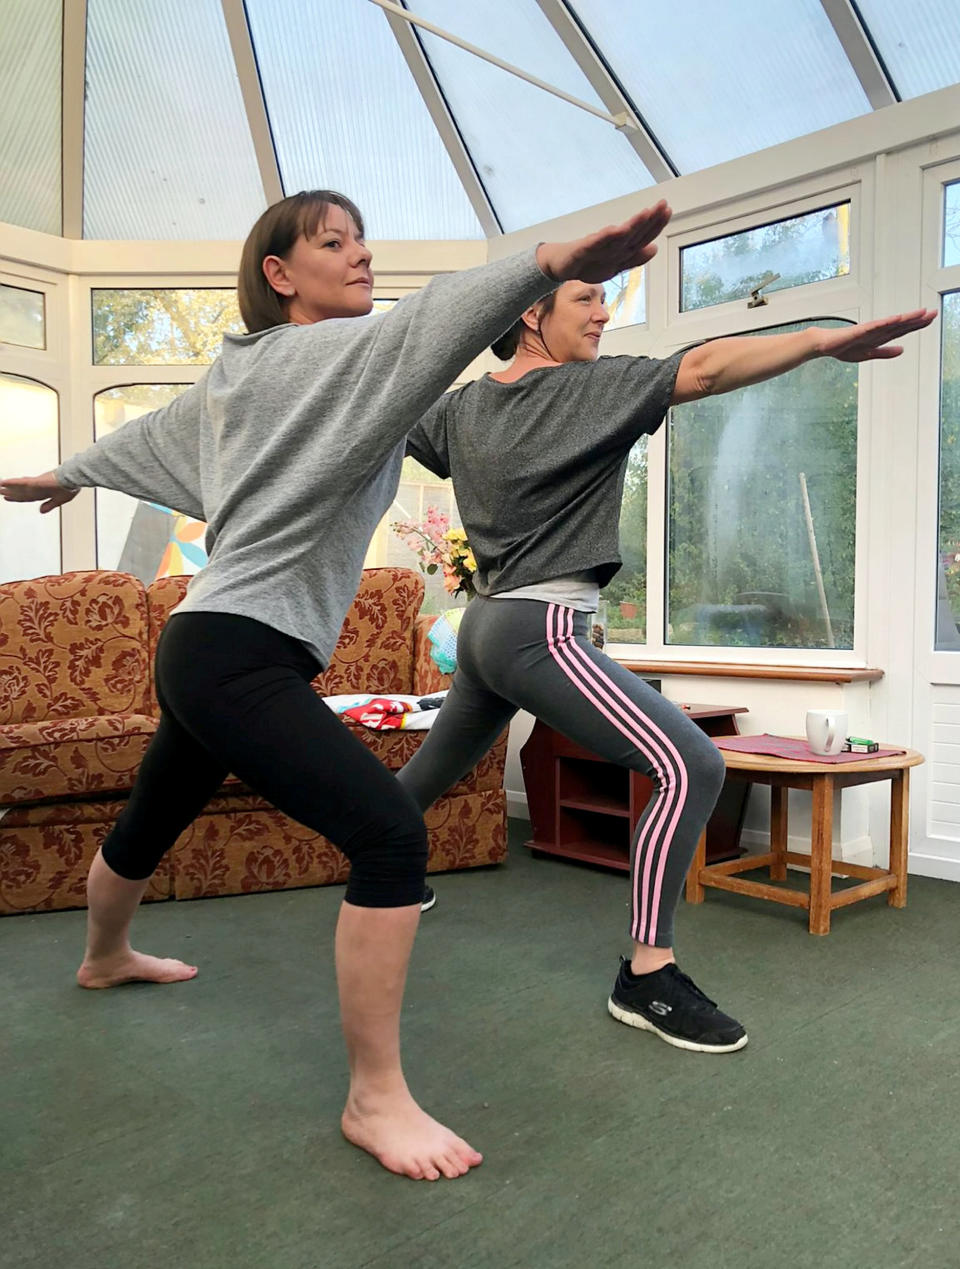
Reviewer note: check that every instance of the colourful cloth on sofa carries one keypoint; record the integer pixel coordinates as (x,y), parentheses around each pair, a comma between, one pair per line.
(387,713)
(443,635)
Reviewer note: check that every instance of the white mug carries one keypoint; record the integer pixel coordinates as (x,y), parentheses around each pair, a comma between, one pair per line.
(826,730)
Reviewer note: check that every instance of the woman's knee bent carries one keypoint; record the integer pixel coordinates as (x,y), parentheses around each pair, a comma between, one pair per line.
(388,857)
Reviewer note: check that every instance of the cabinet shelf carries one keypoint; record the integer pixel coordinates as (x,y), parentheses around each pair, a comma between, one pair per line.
(586,851)
(598,805)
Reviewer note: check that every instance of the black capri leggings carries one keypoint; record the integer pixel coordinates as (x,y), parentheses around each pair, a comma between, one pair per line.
(235,696)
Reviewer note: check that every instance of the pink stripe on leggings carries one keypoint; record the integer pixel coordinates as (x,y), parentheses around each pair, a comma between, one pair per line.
(582,672)
(654,822)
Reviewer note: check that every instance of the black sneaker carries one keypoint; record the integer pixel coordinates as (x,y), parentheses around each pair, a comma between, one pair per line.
(429,899)
(672,1006)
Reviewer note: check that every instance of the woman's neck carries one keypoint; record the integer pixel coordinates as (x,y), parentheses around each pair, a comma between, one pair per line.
(527,359)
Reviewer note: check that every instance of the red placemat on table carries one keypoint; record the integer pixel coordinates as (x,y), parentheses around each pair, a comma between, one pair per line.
(793,748)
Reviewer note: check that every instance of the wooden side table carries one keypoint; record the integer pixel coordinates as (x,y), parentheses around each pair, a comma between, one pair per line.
(585,808)
(822,779)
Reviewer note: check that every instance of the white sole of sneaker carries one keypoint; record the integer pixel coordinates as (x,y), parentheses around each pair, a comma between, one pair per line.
(644,1024)
(425,907)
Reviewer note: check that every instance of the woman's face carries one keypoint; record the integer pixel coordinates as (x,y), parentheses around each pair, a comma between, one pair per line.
(327,275)
(572,329)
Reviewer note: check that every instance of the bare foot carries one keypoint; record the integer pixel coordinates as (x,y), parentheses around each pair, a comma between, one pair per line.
(133,967)
(406,1140)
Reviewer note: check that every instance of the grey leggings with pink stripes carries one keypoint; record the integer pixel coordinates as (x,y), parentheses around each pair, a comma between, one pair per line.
(526,654)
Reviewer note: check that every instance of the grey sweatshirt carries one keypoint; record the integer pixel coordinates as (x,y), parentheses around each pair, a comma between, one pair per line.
(290,446)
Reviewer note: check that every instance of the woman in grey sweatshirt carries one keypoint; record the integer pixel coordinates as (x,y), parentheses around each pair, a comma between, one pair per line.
(290,449)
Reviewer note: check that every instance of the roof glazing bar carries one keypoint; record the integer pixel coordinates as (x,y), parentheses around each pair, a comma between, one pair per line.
(579,47)
(245,61)
(854,37)
(445,124)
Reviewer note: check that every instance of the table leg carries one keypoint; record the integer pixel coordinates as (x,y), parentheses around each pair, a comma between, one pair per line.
(694,890)
(899,826)
(821,854)
(779,800)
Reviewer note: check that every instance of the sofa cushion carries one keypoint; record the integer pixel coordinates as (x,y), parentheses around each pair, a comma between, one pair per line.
(375,650)
(72,646)
(71,757)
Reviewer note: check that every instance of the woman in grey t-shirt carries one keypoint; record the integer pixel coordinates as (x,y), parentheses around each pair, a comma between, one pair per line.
(537,454)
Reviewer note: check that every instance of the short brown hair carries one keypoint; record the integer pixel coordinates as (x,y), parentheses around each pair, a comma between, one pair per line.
(506,346)
(273,235)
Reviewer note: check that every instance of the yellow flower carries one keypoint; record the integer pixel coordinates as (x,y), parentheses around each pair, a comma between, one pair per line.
(455,535)
(470,560)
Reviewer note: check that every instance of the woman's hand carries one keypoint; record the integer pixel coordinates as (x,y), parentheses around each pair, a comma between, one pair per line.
(870,341)
(603,255)
(37,489)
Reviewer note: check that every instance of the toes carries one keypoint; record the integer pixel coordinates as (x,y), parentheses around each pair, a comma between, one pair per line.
(466,1154)
(450,1166)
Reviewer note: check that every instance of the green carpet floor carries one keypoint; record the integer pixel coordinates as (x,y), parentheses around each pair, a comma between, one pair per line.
(196,1126)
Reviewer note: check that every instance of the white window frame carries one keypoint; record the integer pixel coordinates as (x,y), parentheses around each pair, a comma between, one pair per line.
(46,366)
(669,330)
(937,280)
(826,196)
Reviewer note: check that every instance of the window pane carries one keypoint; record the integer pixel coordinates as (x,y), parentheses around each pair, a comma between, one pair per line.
(576,161)
(803,249)
(162,327)
(762,504)
(919,42)
(142,538)
(626,296)
(22,317)
(626,594)
(713,81)
(167,147)
(948,581)
(31,39)
(346,114)
(951,224)
(29,542)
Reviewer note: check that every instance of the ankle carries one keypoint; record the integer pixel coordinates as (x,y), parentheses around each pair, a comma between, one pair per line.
(368,1094)
(647,960)
(106,955)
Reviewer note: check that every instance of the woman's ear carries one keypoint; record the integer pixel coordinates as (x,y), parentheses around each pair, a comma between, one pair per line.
(275,271)
(531,319)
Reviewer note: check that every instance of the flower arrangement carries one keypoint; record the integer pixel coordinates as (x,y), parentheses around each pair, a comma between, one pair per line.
(440,547)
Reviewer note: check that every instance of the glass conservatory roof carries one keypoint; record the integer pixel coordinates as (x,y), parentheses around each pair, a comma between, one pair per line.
(188,117)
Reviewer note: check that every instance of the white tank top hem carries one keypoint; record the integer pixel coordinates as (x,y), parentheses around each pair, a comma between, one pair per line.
(575,591)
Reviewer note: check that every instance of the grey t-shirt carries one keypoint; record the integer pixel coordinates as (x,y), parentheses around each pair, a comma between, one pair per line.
(538,465)
(290,446)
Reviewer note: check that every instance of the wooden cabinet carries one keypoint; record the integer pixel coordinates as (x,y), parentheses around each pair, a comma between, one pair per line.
(583,807)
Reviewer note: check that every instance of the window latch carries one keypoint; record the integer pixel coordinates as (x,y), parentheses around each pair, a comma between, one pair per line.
(757,300)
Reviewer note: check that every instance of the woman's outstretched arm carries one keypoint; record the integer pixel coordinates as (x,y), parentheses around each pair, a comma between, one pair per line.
(153,458)
(721,365)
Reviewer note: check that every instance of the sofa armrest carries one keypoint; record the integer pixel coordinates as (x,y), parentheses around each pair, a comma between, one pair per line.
(427,677)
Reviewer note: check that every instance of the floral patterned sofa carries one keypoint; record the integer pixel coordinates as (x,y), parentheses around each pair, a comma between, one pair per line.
(77,710)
